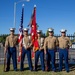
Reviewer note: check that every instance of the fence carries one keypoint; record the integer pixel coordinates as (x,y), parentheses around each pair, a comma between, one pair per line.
(71,36)
(71,52)
(71,56)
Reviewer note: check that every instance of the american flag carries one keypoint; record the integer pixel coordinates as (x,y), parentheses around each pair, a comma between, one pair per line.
(20,34)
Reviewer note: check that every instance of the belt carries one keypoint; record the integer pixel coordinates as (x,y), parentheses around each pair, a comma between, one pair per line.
(62,48)
(51,48)
(11,47)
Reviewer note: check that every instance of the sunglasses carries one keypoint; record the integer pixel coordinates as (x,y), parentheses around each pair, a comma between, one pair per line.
(62,32)
(25,31)
(12,31)
(50,31)
(39,33)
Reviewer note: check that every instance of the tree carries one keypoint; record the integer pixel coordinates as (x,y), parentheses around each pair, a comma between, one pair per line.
(47,33)
(3,38)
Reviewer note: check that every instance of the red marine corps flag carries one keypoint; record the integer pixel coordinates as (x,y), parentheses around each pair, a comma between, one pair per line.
(21,34)
(34,31)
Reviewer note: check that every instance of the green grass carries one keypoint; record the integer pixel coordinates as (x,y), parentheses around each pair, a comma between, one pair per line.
(28,72)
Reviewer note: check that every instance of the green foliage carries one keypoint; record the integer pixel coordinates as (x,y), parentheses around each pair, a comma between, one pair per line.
(43,35)
(73,40)
(3,38)
(47,33)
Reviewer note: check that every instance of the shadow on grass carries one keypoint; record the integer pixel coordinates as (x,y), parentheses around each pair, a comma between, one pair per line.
(26,68)
(71,67)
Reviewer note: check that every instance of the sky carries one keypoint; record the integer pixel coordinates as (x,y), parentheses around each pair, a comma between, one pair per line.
(56,14)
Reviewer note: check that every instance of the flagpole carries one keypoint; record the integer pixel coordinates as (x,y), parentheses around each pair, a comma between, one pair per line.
(21,34)
(15,10)
(14,14)
(34,52)
(33,31)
